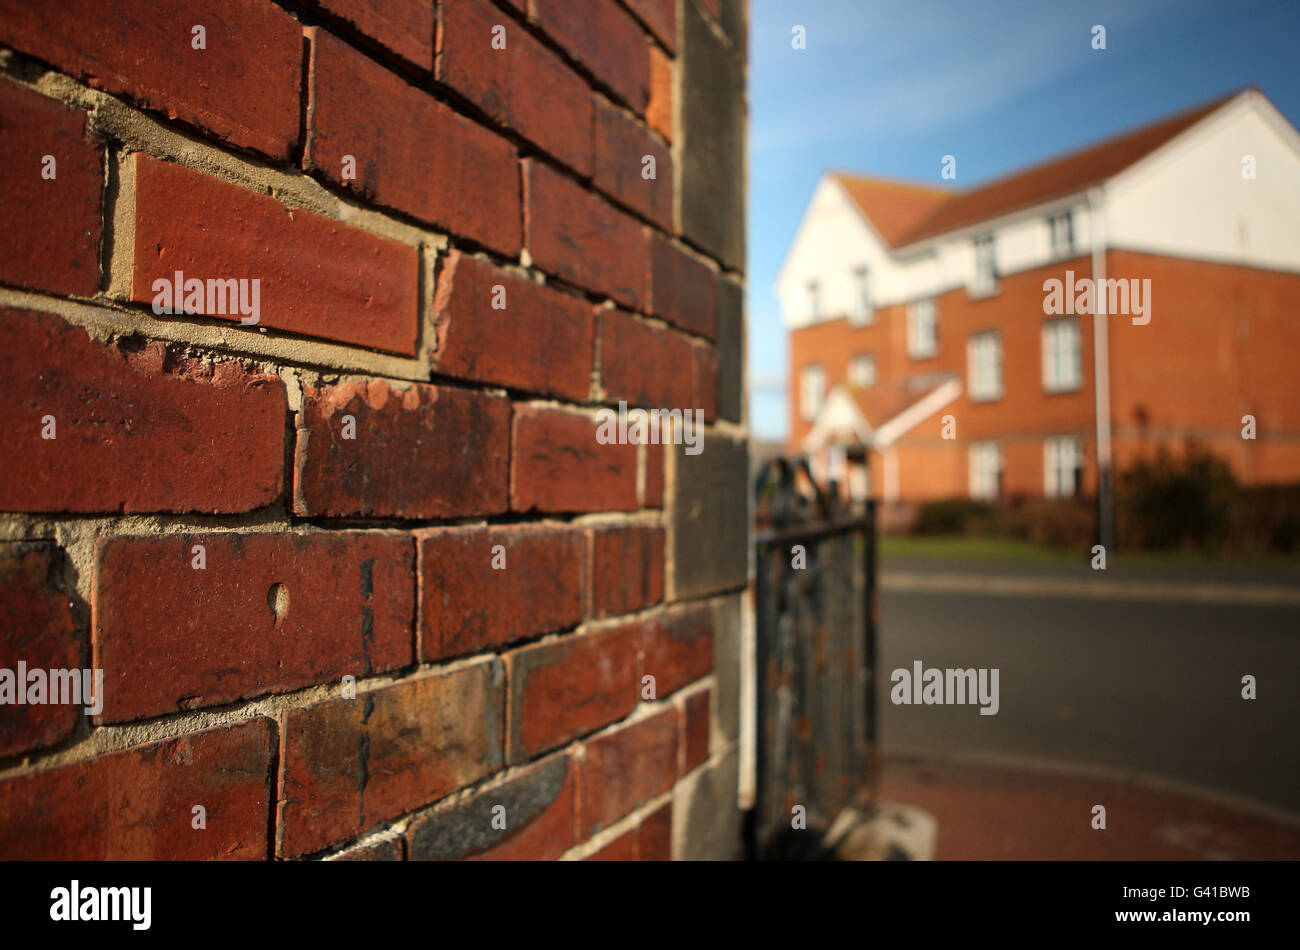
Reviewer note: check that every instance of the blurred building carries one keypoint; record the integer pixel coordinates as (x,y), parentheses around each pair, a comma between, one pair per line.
(924,361)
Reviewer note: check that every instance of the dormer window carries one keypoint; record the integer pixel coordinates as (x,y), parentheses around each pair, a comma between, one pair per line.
(986,271)
(1062,230)
(863,308)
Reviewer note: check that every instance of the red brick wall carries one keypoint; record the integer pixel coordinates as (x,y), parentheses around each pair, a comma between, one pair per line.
(1220,344)
(282,542)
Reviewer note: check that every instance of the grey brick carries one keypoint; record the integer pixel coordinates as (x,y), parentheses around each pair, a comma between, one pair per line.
(709,522)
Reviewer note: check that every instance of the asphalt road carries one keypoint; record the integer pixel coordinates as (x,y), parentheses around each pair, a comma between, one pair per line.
(1145,680)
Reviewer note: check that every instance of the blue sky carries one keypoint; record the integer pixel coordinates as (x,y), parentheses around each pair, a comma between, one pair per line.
(887,87)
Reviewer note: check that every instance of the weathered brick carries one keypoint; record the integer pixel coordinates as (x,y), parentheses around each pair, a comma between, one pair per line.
(267,612)
(659,112)
(706,822)
(652,494)
(558,465)
(730,351)
(704,382)
(709,532)
(403,26)
(412,153)
(539,341)
(538,805)
(318,277)
(655,836)
(468,602)
(661,17)
(573,234)
(603,37)
(52,226)
(420,451)
(625,154)
(565,688)
(135,429)
(627,569)
(711,180)
(680,288)
(622,770)
(524,86)
(644,365)
(243,86)
(677,648)
(696,729)
(349,764)
(726,666)
(137,804)
(37,627)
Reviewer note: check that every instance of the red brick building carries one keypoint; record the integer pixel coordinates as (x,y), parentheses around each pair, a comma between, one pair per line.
(926,340)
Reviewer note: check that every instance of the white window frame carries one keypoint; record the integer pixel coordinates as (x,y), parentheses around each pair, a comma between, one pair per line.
(812,390)
(1062,355)
(856,363)
(864,311)
(985,470)
(984,366)
(1062,466)
(923,315)
(814,291)
(986,267)
(1061,226)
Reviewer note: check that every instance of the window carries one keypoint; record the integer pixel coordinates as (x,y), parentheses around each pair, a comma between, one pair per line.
(1062,228)
(986,272)
(1062,466)
(984,366)
(985,470)
(863,308)
(1062,370)
(812,390)
(922,330)
(814,299)
(862,370)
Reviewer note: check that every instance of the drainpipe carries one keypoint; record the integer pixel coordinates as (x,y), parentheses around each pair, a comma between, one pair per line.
(1101,371)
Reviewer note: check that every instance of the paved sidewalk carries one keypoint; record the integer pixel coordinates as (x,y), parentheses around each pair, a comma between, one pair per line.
(995,812)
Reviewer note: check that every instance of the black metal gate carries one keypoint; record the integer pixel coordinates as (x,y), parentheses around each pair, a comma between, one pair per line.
(816,652)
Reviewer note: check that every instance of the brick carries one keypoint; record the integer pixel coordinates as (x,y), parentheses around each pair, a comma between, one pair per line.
(659,111)
(653,479)
(627,569)
(706,822)
(319,277)
(413,153)
(557,465)
(389,849)
(467,604)
(734,22)
(622,770)
(677,648)
(622,147)
(565,688)
(403,26)
(538,805)
(605,39)
(243,87)
(540,341)
(696,729)
(680,288)
(37,627)
(53,232)
(726,667)
(704,382)
(654,837)
(661,17)
(524,87)
(711,181)
(169,636)
(709,533)
(136,804)
(644,365)
(730,351)
(420,451)
(135,429)
(622,848)
(349,764)
(576,236)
